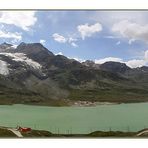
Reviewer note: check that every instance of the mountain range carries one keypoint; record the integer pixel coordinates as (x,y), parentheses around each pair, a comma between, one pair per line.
(31,74)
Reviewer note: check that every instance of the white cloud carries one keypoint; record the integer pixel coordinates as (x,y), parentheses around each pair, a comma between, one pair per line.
(74,44)
(132,31)
(59,53)
(108,18)
(42,41)
(59,38)
(113,59)
(138,62)
(79,60)
(135,63)
(88,30)
(118,43)
(110,37)
(22,19)
(146,55)
(72,39)
(10,35)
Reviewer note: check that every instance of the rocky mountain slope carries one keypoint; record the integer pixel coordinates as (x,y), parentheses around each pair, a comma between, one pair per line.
(31,74)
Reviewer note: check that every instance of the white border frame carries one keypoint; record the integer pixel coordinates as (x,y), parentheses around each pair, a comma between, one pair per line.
(73,4)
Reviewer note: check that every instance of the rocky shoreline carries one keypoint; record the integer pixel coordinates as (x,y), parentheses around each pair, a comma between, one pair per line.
(89,103)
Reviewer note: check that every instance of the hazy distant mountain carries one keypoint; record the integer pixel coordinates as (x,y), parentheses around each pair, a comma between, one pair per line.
(30,73)
(115,67)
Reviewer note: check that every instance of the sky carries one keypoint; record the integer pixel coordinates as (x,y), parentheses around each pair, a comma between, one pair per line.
(101,36)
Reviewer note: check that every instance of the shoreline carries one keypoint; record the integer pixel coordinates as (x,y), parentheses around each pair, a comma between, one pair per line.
(70,103)
(90,104)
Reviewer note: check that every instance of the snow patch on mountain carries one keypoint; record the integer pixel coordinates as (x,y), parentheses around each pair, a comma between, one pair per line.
(14,46)
(21,57)
(4,68)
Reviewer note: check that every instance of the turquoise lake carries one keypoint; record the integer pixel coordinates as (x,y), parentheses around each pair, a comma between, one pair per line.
(123,117)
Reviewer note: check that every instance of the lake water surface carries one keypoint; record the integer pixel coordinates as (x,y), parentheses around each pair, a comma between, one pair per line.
(123,117)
